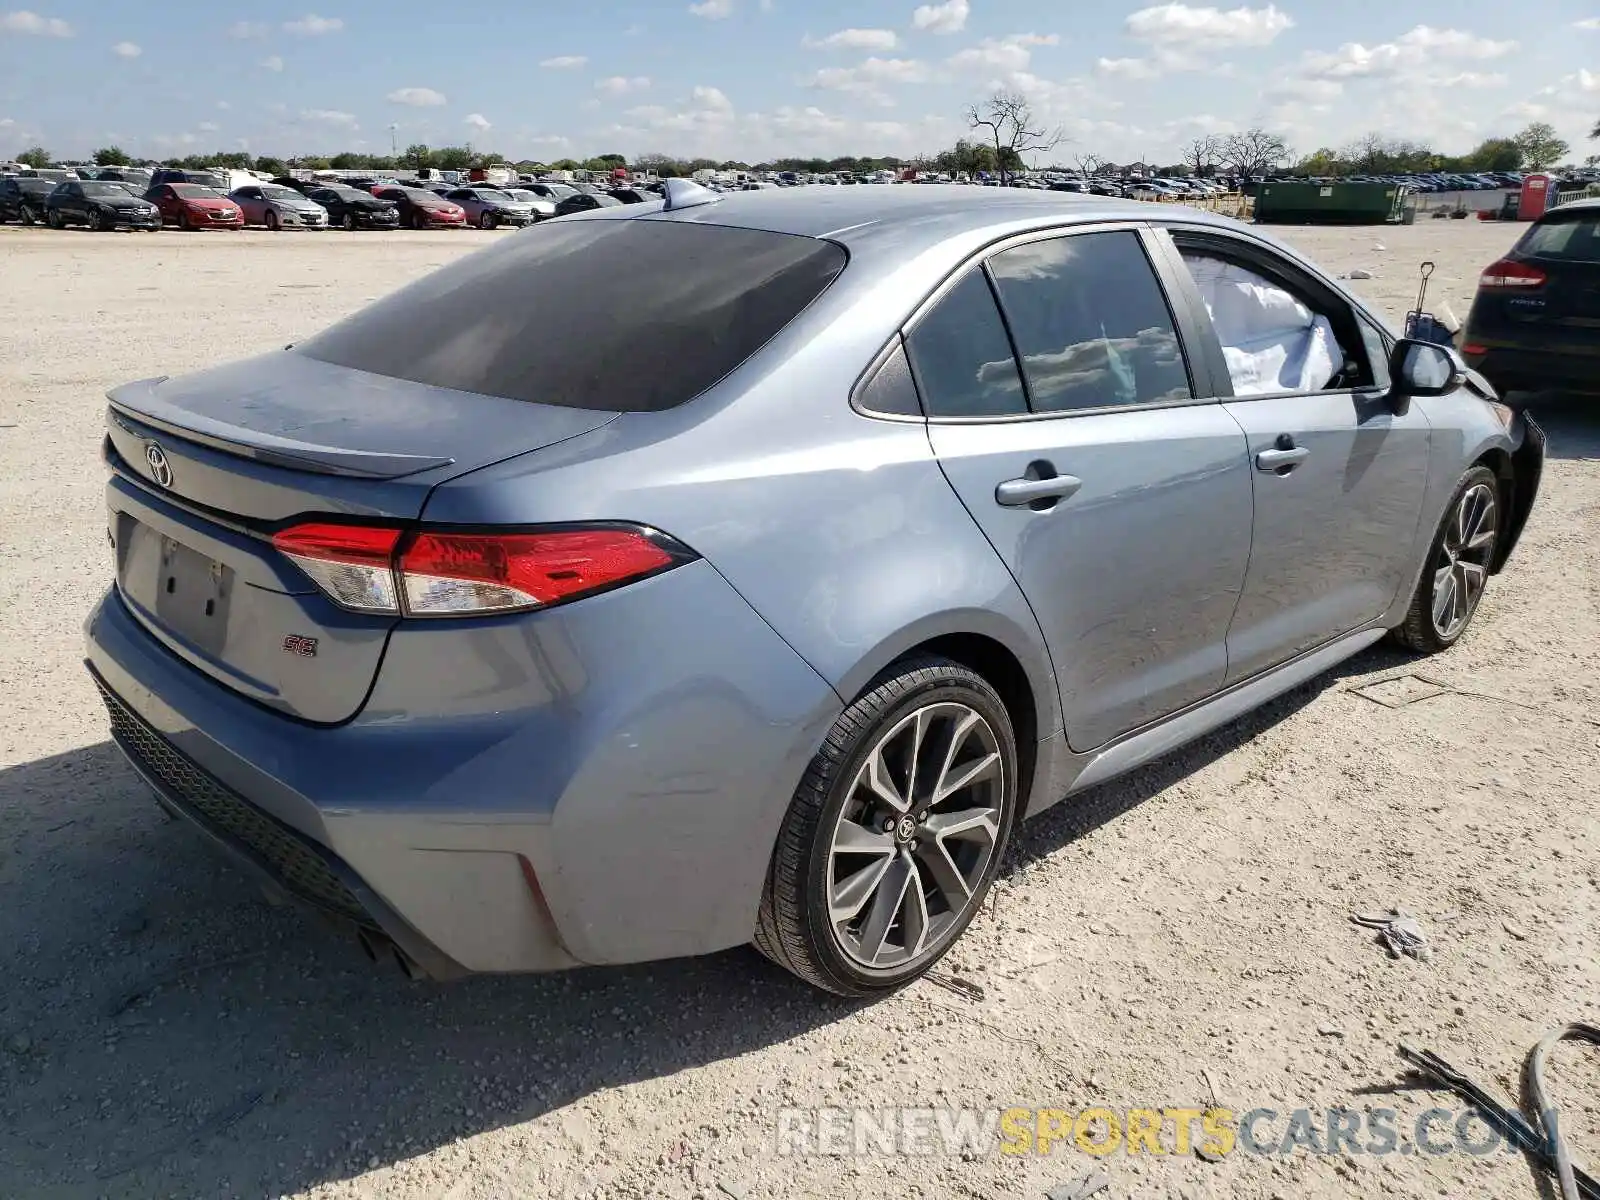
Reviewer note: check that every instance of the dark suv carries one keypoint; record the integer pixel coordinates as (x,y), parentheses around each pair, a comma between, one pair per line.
(1535,323)
(22,198)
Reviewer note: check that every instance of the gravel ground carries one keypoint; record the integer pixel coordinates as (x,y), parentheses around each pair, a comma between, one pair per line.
(1175,936)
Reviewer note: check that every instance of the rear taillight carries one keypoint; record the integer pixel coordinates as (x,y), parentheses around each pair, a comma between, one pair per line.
(1509,274)
(443,572)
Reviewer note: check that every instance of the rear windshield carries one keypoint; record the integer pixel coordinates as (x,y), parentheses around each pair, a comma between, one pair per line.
(625,316)
(1574,237)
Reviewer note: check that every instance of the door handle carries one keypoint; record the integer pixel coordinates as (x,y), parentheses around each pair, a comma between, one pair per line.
(1014,493)
(1281,461)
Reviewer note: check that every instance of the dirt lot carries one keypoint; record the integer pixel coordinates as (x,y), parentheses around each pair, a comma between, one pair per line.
(163,1031)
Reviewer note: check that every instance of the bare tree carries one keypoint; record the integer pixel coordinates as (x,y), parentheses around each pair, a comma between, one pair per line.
(1009,119)
(1253,152)
(1089,165)
(1204,153)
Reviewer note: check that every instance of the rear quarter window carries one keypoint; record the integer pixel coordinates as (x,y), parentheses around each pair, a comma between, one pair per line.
(623,316)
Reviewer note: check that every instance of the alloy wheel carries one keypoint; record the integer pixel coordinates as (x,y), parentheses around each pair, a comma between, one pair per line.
(1461,568)
(915,836)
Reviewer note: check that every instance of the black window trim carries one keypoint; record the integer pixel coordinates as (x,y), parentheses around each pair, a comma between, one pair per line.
(1167,280)
(1270,262)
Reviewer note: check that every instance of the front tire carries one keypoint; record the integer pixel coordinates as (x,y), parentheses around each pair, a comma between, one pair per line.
(488,221)
(273,224)
(896,832)
(97,221)
(1456,571)
(52,218)
(28,215)
(350,221)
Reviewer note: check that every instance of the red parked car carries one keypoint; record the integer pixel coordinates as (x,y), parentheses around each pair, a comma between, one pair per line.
(421,209)
(190,206)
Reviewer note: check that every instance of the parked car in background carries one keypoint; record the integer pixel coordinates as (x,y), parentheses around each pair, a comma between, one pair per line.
(190,206)
(278,207)
(99,204)
(421,209)
(304,186)
(586,202)
(554,192)
(53,174)
(542,208)
(22,198)
(352,208)
(530,617)
(216,180)
(630,195)
(1535,322)
(489,208)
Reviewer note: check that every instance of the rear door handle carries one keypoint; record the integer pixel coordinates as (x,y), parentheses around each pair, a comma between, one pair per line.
(1281,460)
(1014,493)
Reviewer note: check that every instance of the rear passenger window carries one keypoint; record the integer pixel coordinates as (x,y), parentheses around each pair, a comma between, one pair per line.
(1090,322)
(962,357)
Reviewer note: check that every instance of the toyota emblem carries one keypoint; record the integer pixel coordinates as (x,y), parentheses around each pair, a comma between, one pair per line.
(160,468)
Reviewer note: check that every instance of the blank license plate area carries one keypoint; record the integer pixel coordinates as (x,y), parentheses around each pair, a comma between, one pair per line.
(186,591)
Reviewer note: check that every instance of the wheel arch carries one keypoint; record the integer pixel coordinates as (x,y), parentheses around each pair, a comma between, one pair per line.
(1518,471)
(1017,667)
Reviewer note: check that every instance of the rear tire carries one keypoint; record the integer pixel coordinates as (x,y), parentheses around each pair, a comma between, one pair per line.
(896,832)
(1456,572)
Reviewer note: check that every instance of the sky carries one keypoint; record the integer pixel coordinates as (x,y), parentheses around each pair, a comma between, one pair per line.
(758,79)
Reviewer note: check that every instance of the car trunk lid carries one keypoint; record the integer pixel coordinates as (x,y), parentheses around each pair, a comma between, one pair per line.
(205,467)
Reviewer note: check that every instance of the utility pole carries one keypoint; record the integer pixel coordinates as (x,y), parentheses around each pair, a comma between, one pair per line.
(394,146)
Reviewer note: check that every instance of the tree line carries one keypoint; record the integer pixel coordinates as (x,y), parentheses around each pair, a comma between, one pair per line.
(1006,134)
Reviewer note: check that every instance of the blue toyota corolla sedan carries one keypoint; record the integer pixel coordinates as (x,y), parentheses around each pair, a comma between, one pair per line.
(744,568)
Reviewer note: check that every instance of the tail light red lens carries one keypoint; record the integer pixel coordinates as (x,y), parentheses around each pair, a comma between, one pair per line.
(1508,274)
(441,573)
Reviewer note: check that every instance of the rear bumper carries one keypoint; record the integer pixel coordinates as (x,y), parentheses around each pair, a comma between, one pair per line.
(601,783)
(1513,368)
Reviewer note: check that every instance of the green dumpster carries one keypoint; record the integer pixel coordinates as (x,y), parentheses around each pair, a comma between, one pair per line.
(1289,203)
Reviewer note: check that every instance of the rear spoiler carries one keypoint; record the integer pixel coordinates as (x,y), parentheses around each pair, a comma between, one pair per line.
(140,402)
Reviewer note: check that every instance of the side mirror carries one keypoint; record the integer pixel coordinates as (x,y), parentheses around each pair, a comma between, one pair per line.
(1424,369)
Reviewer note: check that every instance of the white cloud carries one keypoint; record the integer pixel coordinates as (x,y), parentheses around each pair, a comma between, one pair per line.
(417,97)
(564,62)
(329,116)
(633,30)
(854,39)
(621,85)
(711,99)
(1414,53)
(208,127)
(1012,53)
(1128,68)
(224,105)
(32,23)
(1592,24)
(1312,91)
(7,122)
(1475,79)
(1181,25)
(272,63)
(949,17)
(126,50)
(477,120)
(872,72)
(244,30)
(713,10)
(312,25)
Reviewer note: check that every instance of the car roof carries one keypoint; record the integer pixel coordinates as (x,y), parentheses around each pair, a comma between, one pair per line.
(916,218)
(1573,206)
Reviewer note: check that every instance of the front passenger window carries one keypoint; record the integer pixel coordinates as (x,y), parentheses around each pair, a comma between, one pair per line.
(1273,339)
(962,357)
